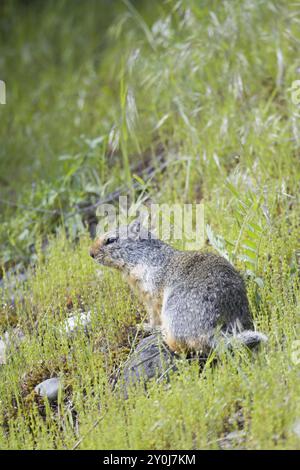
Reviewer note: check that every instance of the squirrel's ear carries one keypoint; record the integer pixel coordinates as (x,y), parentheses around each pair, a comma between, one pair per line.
(134,227)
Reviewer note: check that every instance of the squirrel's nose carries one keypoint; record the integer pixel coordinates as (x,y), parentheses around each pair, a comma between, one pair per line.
(95,248)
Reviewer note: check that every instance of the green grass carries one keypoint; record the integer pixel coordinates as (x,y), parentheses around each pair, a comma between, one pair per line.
(94,95)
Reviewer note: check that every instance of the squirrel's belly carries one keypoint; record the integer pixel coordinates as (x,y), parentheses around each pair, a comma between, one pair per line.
(152,303)
(153,307)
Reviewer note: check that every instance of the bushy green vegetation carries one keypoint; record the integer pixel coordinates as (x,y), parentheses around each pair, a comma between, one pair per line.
(200,93)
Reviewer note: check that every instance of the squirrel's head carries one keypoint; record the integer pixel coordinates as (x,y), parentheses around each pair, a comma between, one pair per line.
(124,246)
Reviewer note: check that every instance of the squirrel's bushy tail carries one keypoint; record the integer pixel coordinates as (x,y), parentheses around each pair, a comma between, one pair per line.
(232,341)
(249,338)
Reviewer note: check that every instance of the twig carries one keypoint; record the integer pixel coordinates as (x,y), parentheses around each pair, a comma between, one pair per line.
(91,429)
(150,171)
(159,379)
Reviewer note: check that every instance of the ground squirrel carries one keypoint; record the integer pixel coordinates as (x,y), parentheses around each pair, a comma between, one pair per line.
(194,297)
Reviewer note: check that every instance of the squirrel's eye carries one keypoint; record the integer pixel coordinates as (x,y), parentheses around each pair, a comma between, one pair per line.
(110,240)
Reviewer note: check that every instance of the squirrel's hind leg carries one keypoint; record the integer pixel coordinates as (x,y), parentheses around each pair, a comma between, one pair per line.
(202,344)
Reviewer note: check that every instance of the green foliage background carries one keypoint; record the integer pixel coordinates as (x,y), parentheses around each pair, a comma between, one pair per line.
(98,91)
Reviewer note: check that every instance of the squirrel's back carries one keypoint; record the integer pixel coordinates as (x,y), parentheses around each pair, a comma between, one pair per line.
(194,297)
(204,296)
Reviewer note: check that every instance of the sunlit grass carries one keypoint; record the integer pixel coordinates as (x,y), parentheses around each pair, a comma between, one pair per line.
(206,88)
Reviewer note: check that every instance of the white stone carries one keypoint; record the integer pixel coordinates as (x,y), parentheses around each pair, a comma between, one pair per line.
(3,347)
(296,428)
(75,322)
(49,388)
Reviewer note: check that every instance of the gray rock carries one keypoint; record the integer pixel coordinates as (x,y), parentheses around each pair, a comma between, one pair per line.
(3,348)
(10,287)
(16,337)
(233,439)
(76,322)
(151,358)
(8,341)
(49,388)
(12,279)
(296,428)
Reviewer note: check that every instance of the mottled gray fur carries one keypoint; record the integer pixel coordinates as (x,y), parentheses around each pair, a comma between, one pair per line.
(195,298)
